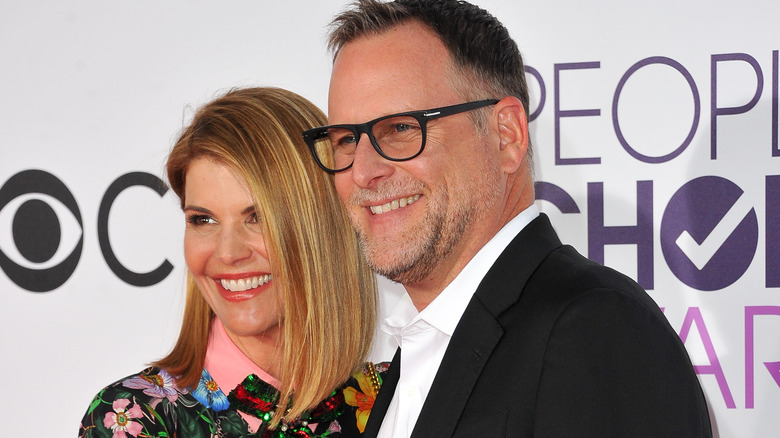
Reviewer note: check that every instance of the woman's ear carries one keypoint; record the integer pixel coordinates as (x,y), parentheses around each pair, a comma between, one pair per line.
(512,133)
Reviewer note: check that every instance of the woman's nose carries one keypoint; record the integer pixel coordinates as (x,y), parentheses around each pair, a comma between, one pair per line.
(233,245)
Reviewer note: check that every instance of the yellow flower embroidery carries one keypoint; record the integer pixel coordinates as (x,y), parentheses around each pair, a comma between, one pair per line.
(364,399)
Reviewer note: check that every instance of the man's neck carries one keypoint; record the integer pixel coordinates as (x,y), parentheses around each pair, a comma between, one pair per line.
(423,292)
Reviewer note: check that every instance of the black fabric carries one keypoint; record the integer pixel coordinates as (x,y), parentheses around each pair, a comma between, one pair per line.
(555,345)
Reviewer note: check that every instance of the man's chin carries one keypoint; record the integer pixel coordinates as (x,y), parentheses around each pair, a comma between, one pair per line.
(410,272)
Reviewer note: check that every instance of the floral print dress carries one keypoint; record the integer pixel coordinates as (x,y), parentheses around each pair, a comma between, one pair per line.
(149,404)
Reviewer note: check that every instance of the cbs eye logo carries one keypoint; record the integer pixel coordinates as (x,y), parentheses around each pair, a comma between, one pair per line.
(42,236)
(39,261)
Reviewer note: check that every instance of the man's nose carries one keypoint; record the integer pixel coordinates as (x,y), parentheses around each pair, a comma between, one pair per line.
(368,166)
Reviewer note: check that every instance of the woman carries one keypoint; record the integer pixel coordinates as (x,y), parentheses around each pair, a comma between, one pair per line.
(280,303)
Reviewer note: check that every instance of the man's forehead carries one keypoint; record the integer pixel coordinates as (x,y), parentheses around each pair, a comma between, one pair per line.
(399,70)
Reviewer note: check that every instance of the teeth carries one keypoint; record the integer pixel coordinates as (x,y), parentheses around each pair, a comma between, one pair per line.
(394,205)
(245,283)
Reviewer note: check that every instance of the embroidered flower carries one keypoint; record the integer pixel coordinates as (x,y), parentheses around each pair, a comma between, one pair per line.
(209,394)
(120,421)
(154,385)
(363,399)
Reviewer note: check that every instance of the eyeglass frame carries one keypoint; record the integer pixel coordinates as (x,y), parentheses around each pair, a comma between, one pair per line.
(422,116)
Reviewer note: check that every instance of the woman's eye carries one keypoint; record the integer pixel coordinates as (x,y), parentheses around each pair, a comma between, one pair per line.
(199,219)
(253,218)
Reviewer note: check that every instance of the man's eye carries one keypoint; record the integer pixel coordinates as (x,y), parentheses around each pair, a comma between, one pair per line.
(345,140)
(340,137)
(400,127)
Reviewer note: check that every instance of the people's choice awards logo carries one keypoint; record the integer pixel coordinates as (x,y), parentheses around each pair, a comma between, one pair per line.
(709,233)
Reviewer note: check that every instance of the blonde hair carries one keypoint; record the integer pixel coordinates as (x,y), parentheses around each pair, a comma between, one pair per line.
(327,291)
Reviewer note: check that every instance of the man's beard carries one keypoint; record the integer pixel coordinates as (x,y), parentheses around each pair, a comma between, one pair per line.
(412,256)
(417,254)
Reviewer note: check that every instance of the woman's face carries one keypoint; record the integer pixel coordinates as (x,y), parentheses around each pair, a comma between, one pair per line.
(225,251)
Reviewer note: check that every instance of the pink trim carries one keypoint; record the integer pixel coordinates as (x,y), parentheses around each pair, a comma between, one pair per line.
(229,366)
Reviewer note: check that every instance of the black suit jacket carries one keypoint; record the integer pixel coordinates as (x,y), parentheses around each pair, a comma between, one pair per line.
(555,345)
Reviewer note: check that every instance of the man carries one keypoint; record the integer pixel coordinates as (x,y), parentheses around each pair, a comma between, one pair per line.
(504,332)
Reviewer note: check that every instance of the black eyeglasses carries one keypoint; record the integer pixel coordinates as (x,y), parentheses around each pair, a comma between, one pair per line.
(396,137)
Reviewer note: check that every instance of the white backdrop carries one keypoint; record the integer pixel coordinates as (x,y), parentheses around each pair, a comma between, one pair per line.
(656,135)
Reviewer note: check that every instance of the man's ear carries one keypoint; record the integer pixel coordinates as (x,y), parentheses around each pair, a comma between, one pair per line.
(512,133)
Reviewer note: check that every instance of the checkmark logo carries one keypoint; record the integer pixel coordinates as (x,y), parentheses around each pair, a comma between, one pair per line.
(700,253)
(709,233)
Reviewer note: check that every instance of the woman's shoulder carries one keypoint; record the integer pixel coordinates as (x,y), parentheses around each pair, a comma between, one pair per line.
(149,403)
(122,405)
(150,384)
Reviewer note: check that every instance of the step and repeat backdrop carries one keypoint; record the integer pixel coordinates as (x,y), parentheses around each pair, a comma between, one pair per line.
(656,135)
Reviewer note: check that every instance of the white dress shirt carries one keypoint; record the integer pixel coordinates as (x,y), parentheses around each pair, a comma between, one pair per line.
(424,336)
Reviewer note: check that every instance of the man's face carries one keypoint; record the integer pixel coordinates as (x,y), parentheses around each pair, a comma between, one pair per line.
(415,218)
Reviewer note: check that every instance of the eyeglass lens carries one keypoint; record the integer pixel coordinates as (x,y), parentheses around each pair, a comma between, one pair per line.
(398,137)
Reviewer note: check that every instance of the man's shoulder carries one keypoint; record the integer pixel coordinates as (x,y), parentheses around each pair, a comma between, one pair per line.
(566,280)
(566,270)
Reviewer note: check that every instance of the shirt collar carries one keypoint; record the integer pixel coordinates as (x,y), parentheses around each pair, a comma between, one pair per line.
(227,364)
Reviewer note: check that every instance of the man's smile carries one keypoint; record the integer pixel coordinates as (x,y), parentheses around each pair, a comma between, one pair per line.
(393,205)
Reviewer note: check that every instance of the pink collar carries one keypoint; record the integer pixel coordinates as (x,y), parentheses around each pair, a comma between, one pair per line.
(228,365)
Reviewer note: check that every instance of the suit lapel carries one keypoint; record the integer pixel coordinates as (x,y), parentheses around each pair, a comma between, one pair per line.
(466,355)
(479,330)
(386,392)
